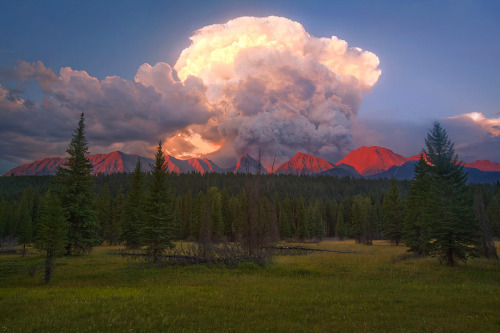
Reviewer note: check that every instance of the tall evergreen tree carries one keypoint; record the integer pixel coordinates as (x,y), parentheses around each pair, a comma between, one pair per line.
(449,219)
(419,206)
(341,227)
(360,219)
(104,213)
(133,211)
(115,228)
(493,214)
(24,226)
(159,230)
(487,246)
(393,212)
(52,232)
(76,192)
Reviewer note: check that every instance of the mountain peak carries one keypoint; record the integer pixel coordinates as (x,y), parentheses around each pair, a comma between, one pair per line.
(304,164)
(247,164)
(371,160)
(484,165)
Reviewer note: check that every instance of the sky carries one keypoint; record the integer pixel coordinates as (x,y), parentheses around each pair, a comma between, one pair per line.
(224,78)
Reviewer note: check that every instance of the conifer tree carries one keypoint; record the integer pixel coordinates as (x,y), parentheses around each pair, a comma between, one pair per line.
(24,226)
(52,232)
(76,192)
(419,205)
(159,229)
(493,214)
(215,209)
(133,211)
(360,213)
(393,213)
(341,227)
(104,213)
(114,230)
(302,220)
(449,227)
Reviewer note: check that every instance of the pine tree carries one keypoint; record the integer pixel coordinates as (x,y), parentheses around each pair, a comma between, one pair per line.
(493,214)
(487,245)
(393,213)
(76,192)
(419,205)
(360,213)
(159,229)
(24,226)
(215,209)
(133,211)
(341,227)
(449,226)
(104,213)
(114,230)
(52,232)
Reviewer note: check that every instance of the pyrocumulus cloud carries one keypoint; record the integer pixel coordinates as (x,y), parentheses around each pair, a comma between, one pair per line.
(249,84)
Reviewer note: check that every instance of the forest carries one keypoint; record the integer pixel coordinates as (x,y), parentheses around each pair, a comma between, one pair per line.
(435,214)
(295,207)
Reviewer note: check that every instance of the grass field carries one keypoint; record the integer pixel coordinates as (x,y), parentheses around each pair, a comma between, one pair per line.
(321,292)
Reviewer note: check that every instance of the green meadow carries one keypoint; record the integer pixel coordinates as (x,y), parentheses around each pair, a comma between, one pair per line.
(370,290)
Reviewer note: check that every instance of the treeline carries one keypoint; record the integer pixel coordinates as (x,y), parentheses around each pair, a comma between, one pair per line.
(302,207)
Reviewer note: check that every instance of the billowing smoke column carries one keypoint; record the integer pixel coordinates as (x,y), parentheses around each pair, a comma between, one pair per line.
(276,88)
(250,84)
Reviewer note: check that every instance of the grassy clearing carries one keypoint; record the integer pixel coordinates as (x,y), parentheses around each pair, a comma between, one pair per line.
(320,292)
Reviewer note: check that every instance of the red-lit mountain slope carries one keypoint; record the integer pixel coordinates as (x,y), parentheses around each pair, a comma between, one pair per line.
(114,162)
(304,164)
(484,165)
(371,160)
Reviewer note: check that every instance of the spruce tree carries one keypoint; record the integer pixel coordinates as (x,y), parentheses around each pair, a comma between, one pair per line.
(52,232)
(341,227)
(448,225)
(158,230)
(75,187)
(493,214)
(115,227)
(419,206)
(133,211)
(104,213)
(393,213)
(24,226)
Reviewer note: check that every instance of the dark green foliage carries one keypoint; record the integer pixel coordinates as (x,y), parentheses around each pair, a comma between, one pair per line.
(276,210)
(393,213)
(341,226)
(440,215)
(133,212)
(360,219)
(104,213)
(158,231)
(52,232)
(317,223)
(301,220)
(24,222)
(286,220)
(114,230)
(493,214)
(487,246)
(75,187)
(420,204)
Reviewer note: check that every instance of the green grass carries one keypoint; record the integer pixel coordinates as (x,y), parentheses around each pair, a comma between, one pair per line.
(321,292)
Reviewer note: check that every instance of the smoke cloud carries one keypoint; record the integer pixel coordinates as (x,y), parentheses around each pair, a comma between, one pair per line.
(247,85)
(278,89)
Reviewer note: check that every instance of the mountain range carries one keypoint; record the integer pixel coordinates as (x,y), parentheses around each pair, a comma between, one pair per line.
(368,162)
